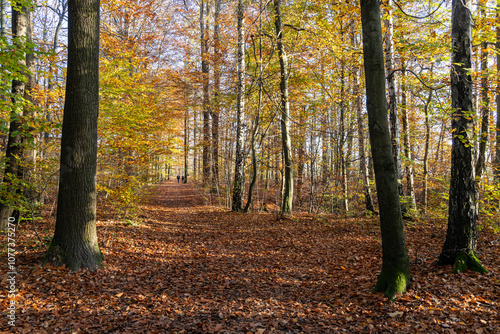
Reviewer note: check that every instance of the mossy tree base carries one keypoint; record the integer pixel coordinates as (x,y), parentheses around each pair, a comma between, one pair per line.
(74,258)
(464,261)
(391,282)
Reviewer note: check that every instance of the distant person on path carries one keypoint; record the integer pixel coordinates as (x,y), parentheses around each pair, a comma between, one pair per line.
(182,178)
(179,177)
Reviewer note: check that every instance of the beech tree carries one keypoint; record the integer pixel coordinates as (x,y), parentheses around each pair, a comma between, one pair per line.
(75,239)
(460,245)
(395,274)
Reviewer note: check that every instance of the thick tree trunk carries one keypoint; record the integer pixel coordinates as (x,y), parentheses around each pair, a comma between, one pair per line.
(286,206)
(239,162)
(75,238)
(395,274)
(460,245)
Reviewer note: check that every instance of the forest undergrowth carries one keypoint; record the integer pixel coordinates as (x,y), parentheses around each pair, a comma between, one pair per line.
(187,267)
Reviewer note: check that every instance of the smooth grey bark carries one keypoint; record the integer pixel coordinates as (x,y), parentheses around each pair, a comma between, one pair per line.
(75,239)
(395,275)
(237,204)
(459,248)
(286,206)
(18,155)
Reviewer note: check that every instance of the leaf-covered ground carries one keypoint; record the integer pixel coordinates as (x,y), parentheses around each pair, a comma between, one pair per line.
(191,268)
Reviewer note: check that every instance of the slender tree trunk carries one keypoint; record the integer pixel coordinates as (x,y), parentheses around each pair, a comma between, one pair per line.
(16,152)
(342,140)
(395,274)
(2,18)
(256,126)
(239,162)
(195,144)
(186,145)
(425,194)
(393,103)
(460,245)
(216,109)
(286,207)
(75,238)
(485,106)
(407,145)
(300,157)
(363,166)
(205,69)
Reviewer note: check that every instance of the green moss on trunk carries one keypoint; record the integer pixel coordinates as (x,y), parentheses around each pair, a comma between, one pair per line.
(393,281)
(465,260)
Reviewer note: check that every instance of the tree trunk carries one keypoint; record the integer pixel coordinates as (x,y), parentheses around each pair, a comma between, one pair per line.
(485,106)
(195,145)
(216,108)
(342,140)
(17,151)
(286,206)
(460,245)
(410,188)
(186,145)
(300,157)
(363,166)
(393,103)
(395,274)
(205,69)
(239,162)
(2,18)
(425,194)
(75,239)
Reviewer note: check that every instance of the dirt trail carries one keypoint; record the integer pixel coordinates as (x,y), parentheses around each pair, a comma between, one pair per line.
(186,267)
(170,194)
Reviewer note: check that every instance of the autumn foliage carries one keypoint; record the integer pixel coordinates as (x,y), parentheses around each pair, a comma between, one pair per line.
(176,259)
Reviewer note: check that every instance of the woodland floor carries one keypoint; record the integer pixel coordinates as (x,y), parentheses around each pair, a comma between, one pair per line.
(191,268)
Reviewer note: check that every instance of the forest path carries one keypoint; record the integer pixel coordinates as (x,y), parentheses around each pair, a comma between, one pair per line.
(171,194)
(186,267)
